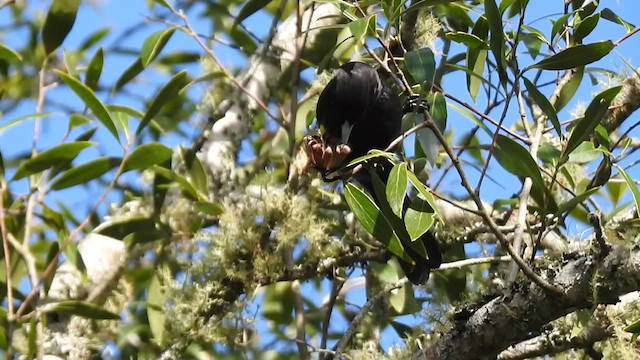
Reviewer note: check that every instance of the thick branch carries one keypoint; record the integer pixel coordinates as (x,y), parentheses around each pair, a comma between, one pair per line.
(586,280)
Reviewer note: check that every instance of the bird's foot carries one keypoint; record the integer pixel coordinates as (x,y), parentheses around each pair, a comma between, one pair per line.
(325,156)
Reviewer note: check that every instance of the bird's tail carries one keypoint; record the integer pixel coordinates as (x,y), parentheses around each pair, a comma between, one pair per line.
(418,271)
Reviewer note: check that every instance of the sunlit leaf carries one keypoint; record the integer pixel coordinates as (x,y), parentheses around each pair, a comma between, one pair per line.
(94,38)
(472,41)
(156,299)
(569,205)
(186,186)
(372,220)
(94,70)
(9,54)
(51,157)
(147,155)
(476,58)
(89,98)
(154,44)
(576,56)
(86,172)
(419,217)
(632,186)
(396,188)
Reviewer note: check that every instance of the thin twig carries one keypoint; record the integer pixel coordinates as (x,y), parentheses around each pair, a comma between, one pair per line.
(212,56)
(469,262)
(487,219)
(335,291)
(626,36)
(482,115)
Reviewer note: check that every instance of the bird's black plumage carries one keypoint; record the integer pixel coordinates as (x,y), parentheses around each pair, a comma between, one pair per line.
(358,109)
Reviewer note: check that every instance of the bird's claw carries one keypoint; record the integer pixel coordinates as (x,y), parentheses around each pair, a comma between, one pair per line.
(324,157)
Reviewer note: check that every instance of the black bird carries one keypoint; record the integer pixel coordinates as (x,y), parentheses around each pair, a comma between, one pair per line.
(356,112)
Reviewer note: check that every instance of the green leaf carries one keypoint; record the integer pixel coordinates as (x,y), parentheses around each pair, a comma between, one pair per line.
(592,117)
(396,188)
(145,236)
(544,104)
(476,58)
(570,89)
(439,111)
(632,186)
(58,24)
(89,98)
(129,73)
(156,301)
(568,206)
(72,254)
(164,95)
(248,9)
(86,172)
(585,27)
(421,65)
(514,158)
(277,305)
(184,184)
(608,14)
(494,20)
(17,120)
(154,44)
(165,4)
(51,157)
(424,192)
(9,54)
(52,256)
(94,70)
(208,208)
(70,60)
(94,38)
(81,308)
(559,24)
(419,217)
(361,27)
(372,220)
(575,56)
(198,176)
(119,229)
(472,41)
(584,153)
(147,155)
(633,327)
(372,154)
